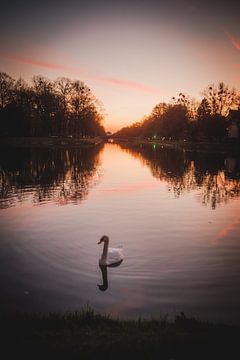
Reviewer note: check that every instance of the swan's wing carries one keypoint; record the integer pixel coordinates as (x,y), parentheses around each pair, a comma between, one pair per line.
(115,264)
(115,252)
(114,255)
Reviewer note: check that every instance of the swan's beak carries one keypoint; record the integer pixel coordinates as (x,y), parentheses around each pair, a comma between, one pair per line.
(101,240)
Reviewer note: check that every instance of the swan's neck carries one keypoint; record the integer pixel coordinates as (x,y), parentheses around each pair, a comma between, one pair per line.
(104,276)
(105,249)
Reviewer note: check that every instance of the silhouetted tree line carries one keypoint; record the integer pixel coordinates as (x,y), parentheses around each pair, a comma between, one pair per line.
(48,108)
(216,177)
(185,118)
(59,175)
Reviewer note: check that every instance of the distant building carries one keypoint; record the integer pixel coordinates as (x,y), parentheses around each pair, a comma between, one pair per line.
(233,131)
(108,133)
(233,128)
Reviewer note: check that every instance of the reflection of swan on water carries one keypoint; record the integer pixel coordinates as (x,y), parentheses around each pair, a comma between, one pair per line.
(104,285)
(111,257)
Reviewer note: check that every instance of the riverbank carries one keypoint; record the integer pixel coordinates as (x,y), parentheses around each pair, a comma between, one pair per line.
(88,335)
(50,141)
(201,146)
(56,142)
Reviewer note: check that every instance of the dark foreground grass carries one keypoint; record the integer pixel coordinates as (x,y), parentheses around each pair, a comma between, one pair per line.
(88,335)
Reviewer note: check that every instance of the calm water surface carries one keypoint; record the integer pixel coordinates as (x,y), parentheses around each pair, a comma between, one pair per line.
(175,213)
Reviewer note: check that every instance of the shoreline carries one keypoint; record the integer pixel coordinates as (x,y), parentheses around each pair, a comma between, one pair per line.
(86,334)
(224,148)
(49,142)
(62,142)
(204,146)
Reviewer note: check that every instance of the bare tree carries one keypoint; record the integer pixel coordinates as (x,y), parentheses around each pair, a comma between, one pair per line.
(220,98)
(6,89)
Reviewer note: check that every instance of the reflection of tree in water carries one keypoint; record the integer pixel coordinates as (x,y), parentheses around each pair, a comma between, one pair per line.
(59,175)
(218,188)
(217,177)
(219,182)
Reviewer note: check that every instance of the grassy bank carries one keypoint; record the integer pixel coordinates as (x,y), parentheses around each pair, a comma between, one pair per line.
(88,335)
(204,146)
(49,141)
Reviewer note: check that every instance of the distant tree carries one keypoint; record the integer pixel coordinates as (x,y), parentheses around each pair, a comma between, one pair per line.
(175,122)
(212,127)
(220,98)
(18,113)
(132,131)
(63,87)
(46,106)
(211,122)
(182,99)
(159,110)
(204,109)
(6,89)
(59,108)
(237,100)
(84,113)
(152,124)
(186,101)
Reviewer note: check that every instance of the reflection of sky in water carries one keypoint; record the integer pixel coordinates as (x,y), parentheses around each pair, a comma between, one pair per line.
(179,254)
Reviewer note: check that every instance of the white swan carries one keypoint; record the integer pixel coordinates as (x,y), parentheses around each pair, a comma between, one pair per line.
(110,256)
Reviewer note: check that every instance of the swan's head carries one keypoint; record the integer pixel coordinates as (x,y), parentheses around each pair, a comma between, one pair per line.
(104,238)
(103,287)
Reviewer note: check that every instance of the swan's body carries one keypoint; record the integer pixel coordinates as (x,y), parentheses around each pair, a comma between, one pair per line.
(110,256)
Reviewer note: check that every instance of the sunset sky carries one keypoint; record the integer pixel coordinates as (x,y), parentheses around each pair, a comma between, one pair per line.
(132,54)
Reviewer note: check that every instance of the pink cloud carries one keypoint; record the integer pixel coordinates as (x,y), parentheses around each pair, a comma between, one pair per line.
(77,71)
(130,84)
(41,64)
(235,41)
